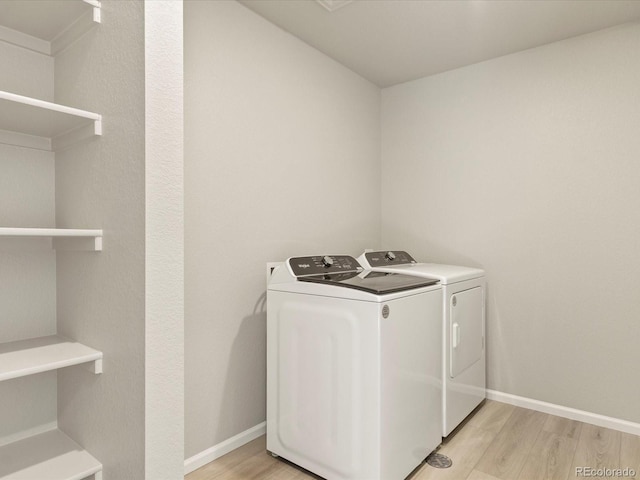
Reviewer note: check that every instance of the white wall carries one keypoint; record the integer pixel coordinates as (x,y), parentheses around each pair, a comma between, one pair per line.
(27,268)
(164,242)
(282,150)
(527,166)
(25,72)
(101,296)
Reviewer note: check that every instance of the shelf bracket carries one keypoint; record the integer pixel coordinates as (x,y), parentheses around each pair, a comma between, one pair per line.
(94,367)
(97,127)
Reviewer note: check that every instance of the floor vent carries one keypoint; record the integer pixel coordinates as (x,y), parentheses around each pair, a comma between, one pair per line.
(437,460)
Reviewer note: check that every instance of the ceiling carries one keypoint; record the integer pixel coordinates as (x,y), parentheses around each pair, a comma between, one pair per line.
(394,41)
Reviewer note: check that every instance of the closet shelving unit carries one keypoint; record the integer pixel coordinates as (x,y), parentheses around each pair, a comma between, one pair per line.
(48,28)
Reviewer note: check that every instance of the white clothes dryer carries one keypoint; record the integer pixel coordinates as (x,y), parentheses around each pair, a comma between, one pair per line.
(463,327)
(353,368)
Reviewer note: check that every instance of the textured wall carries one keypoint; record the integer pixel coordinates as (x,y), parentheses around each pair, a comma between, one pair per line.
(527,166)
(100,184)
(164,244)
(27,267)
(281,159)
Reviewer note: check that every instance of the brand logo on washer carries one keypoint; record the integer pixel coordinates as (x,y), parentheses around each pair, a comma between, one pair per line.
(385,311)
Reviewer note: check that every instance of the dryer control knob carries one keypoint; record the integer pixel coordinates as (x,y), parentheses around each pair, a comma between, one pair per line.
(327,261)
(390,256)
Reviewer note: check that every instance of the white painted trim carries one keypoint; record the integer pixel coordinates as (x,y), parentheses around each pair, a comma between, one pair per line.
(566,412)
(210,454)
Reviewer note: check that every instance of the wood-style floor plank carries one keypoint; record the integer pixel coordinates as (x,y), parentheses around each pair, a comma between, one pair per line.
(508,453)
(630,452)
(550,458)
(491,416)
(259,466)
(598,448)
(562,426)
(478,475)
(228,462)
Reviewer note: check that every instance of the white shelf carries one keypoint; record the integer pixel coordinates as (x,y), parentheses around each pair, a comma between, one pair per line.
(47,26)
(66,238)
(50,455)
(42,354)
(34,123)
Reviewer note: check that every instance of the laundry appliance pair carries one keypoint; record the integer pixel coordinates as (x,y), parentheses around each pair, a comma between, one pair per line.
(463,329)
(355,364)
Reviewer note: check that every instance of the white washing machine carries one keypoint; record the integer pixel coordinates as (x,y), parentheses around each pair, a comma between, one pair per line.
(463,327)
(353,368)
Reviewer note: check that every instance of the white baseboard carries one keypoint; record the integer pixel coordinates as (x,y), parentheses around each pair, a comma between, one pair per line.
(210,454)
(566,412)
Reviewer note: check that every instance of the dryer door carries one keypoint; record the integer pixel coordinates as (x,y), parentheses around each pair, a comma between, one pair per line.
(465,329)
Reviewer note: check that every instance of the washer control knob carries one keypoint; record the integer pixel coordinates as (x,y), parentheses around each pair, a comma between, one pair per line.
(390,256)
(327,261)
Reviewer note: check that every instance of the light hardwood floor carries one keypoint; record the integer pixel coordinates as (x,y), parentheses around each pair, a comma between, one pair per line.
(498,441)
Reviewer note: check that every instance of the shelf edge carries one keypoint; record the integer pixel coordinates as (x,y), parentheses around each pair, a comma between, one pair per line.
(54,107)
(49,232)
(62,239)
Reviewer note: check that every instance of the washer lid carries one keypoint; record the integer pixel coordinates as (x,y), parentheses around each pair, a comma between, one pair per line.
(378,283)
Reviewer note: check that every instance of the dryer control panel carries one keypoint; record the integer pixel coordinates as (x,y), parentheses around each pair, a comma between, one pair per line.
(388,257)
(321,264)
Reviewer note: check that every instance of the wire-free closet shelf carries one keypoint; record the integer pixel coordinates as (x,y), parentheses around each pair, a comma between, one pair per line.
(30,122)
(51,455)
(46,26)
(95,236)
(42,354)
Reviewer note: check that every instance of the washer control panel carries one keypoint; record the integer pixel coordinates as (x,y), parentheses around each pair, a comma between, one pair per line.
(387,257)
(320,264)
